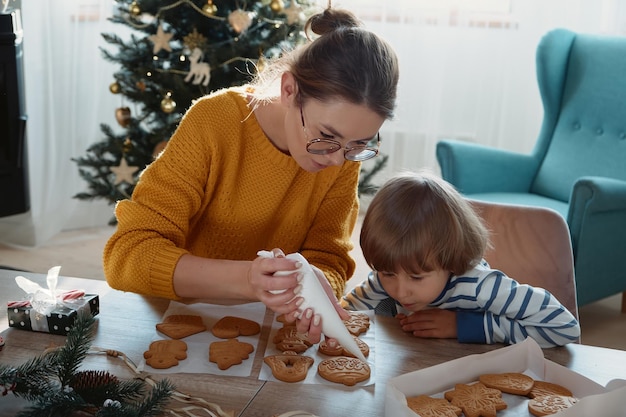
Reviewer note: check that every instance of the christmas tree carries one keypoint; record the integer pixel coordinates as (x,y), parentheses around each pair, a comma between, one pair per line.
(179,51)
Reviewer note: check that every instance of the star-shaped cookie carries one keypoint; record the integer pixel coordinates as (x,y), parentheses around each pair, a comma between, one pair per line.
(476,400)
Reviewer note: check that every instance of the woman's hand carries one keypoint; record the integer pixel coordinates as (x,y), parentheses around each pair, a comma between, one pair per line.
(434,323)
(278,293)
(310,323)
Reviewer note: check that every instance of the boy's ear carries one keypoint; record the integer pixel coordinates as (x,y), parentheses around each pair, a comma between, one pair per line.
(288,88)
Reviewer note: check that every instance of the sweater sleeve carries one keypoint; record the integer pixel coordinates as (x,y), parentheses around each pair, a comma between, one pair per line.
(154,224)
(516,311)
(469,327)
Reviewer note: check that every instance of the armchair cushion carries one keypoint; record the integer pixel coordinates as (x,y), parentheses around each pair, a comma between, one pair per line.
(474,168)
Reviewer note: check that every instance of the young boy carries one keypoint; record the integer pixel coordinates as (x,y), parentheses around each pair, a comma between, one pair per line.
(425,245)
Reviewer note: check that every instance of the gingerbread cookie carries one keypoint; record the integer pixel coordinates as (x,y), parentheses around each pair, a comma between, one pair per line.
(287,338)
(476,400)
(289,367)
(541,388)
(510,382)
(229,352)
(357,323)
(344,370)
(230,327)
(546,405)
(427,406)
(339,350)
(164,354)
(323,347)
(178,326)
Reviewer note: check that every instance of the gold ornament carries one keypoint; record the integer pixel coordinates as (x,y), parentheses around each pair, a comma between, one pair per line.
(122,115)
(123,172)
(277,6)
(127,146)
(134,9)
(209,8)
(167,104)
(114,87)
(141,86)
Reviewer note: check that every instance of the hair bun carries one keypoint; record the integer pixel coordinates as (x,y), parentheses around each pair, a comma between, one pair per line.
(330,20)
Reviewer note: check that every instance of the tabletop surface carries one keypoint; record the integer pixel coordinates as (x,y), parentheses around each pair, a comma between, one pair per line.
(126,323)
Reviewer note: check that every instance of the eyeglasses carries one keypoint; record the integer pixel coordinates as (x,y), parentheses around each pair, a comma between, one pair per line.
(357,153)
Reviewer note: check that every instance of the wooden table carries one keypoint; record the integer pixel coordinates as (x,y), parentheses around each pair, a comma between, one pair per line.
(126,323)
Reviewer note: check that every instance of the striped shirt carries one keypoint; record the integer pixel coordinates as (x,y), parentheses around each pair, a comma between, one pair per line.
(491,308)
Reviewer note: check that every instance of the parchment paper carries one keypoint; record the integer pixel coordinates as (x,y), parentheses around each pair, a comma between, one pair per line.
(526,357)
(198,344)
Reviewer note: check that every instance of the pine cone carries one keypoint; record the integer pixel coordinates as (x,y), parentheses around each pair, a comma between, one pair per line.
(94,387)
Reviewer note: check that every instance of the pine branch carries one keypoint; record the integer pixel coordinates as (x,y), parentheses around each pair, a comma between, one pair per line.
(128,390)
(366,176)
(54,387)
(76,347)
(31,379)
(156,399)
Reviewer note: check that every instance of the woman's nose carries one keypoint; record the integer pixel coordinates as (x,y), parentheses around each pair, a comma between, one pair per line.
(336,158)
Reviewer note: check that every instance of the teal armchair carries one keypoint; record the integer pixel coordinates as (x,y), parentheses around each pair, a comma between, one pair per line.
(578,164)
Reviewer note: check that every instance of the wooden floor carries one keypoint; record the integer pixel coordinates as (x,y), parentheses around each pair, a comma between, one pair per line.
(79,253)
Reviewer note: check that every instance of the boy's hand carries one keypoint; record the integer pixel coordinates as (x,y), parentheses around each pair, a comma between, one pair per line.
(434,323)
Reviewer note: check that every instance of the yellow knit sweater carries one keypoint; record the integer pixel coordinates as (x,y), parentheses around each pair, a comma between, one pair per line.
(222,190)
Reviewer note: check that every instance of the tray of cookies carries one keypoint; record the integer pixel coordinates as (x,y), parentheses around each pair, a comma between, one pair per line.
(512,381)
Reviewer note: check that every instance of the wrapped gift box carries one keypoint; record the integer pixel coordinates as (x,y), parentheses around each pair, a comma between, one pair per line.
(526,357)
(59,321)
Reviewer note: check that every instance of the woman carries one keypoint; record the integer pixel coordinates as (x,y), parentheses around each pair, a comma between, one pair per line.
(252,169)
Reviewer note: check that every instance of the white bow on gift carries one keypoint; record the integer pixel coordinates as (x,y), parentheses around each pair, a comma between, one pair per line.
(43,300)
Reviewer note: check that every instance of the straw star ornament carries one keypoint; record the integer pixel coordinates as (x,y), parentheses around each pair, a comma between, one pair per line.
(124,173)
(161,40)
(294,13)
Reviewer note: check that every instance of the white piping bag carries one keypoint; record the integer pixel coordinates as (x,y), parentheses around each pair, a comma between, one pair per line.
(316,299)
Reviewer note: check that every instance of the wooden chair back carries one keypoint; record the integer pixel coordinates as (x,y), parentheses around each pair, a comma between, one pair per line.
(533,246)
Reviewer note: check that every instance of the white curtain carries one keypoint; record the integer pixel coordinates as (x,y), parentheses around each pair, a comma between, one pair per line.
(467,72)
(67,98)
(467,68)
